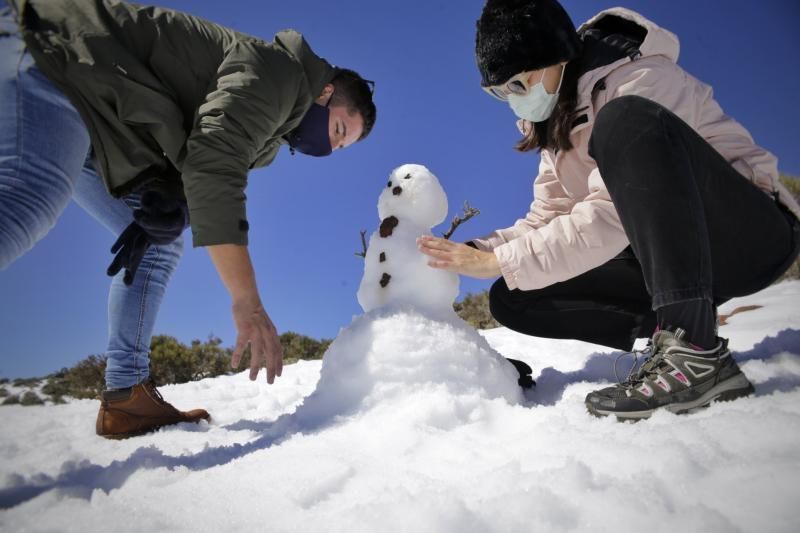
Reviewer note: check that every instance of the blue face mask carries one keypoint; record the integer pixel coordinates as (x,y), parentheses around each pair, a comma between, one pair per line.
(537,104)
(311,137)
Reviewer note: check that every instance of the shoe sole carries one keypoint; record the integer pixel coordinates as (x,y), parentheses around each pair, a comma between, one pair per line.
(123,436)
(732,388)
(139,433)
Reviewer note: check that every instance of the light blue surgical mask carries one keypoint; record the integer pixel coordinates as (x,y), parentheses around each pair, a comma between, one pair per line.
(537,104)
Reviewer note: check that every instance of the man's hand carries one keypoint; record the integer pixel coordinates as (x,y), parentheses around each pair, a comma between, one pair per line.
(255,328)
(253,325)
(459,258)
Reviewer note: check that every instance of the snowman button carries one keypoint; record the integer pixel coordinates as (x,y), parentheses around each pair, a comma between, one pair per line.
(388,225)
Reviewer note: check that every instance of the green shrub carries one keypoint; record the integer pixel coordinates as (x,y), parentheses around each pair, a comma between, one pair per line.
(30,398)
(3,392)
(84,380)
(474,309)
(27,382)
(170,362)
(793,184)
(11,400)
(296,347)
(3,381)
(174,362)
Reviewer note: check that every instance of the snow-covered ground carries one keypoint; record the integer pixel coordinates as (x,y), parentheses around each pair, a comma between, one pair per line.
(404,435)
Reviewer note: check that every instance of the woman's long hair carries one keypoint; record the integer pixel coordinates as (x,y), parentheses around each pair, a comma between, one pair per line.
(554,132)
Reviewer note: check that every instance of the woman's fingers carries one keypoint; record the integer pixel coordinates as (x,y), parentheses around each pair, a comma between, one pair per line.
(444,265)
(458,258)
(438,254)
(435,243)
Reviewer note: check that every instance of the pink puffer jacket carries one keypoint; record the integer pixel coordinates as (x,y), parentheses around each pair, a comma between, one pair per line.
(572,226)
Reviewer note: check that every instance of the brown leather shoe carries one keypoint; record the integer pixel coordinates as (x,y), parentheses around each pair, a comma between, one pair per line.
(137,410)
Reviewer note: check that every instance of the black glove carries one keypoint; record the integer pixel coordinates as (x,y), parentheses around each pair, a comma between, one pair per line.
(159,220)
(525,380)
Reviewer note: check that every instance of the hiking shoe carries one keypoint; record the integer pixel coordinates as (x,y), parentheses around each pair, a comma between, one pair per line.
(136,410)
(677,377)
(524,370)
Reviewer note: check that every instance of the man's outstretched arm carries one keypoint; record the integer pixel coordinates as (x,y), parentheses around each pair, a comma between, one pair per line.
(253,325)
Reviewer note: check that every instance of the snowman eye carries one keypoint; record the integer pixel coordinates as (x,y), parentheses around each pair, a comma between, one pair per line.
(408,177)
(389,185)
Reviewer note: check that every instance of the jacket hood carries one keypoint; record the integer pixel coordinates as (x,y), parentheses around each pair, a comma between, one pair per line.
(642,38)
(318,71)
(657,42)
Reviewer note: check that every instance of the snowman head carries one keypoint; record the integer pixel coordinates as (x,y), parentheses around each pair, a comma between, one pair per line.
(413,193)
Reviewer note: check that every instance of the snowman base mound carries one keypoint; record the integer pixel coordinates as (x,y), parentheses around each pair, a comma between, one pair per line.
(398,351)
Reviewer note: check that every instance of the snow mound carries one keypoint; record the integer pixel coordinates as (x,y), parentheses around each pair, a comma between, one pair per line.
(399,353)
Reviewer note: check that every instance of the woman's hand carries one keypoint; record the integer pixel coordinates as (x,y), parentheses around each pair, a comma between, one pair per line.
(459,258)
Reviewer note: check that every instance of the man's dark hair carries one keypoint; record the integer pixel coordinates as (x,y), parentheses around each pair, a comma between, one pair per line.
(354,92)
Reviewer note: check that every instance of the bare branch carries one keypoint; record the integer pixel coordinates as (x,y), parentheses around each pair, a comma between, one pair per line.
(363,254)
(469,212)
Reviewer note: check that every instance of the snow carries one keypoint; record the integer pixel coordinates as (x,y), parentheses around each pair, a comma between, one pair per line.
(412,423)
(422,200)
(395,271)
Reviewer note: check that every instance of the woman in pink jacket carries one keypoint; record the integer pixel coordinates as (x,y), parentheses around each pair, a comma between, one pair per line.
(651,206)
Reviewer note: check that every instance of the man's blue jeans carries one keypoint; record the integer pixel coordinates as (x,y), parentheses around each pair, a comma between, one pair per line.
(45,160)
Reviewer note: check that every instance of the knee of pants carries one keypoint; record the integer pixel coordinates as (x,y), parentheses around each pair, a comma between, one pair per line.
(499,305)
(524,313)
(618,120)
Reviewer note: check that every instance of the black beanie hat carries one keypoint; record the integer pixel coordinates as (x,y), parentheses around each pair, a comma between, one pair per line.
(518,35)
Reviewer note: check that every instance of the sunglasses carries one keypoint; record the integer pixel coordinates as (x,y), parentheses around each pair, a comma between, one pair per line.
(517,84)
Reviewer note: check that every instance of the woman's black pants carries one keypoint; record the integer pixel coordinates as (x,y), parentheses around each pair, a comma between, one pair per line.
(700,233)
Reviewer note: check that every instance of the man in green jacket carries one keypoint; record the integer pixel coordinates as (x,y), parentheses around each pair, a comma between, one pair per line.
(151,119)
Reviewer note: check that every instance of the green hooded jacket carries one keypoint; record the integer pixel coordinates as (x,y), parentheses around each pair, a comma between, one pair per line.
(175,102)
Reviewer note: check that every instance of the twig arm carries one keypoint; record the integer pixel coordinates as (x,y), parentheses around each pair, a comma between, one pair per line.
(469,212)
(363,254)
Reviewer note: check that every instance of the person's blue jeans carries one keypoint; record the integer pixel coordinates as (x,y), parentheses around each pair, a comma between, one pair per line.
(45,160)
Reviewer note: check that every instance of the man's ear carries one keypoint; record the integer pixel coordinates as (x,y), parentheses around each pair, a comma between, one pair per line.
(327,91)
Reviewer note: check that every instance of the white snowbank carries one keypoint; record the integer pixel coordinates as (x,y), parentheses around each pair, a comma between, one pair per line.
(423,431)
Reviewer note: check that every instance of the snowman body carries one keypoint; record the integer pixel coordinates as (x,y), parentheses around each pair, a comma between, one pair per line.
(395,271)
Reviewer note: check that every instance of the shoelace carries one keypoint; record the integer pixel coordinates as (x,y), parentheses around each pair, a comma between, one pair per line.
(645,354)
(152,388)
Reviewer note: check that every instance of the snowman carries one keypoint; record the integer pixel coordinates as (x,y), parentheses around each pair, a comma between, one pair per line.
(409,344)
(395,271)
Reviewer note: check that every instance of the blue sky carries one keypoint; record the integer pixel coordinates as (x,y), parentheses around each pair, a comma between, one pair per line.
(305,214)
